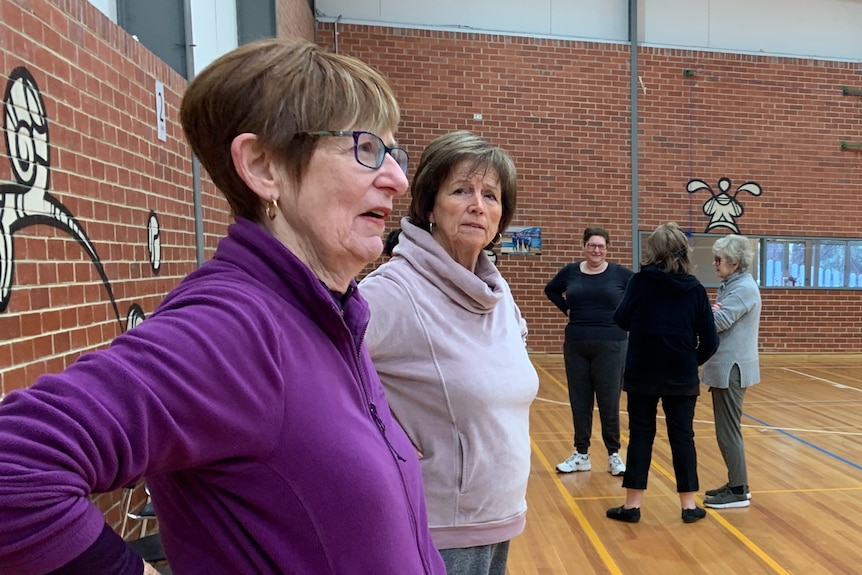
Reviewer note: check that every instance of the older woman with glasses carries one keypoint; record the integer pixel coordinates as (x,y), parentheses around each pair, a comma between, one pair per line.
(595,347)
(449,344)
(736,365)
(248,399)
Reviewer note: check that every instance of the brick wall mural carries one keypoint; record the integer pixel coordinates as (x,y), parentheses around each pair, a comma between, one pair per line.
(28,202)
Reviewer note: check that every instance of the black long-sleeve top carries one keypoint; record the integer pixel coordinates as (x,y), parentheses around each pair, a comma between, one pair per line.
(589,300)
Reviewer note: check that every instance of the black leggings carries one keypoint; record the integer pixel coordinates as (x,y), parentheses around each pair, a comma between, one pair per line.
(679,417)
(594,370)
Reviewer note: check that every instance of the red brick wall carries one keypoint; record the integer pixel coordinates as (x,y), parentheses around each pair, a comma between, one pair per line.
(562,109)
(108,170)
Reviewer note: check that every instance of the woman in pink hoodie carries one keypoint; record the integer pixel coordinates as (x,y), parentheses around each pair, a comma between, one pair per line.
(449,345)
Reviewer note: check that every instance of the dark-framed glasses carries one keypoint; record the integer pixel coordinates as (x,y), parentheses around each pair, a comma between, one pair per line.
(368,149)
(717,260)
(601,247)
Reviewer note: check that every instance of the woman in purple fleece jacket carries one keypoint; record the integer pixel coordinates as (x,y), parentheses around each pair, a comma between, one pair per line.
(247,400)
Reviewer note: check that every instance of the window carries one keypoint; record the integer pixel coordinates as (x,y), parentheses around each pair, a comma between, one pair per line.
(828,265)
(854,265)
(159,25)
(779,262)
(785,263)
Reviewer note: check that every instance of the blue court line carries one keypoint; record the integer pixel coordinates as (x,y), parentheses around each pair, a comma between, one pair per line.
(804,442)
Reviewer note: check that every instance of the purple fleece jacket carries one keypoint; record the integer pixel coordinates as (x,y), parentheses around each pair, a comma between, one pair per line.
(249,403)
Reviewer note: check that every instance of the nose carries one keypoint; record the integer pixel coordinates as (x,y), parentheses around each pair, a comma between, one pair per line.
(394,178)
(476,203)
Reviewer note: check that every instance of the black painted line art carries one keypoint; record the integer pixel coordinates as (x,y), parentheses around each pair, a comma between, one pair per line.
(154,242)
(27,202)
(134,317)
(722,208)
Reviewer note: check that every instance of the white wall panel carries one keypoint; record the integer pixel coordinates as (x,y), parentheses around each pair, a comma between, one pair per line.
(602,19)
(213,30)
(107,7)
(676,22)
(821,29)
(505,16)
(598,19)
(830,29)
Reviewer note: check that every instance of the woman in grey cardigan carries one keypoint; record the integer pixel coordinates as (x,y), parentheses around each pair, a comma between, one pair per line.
(735,366)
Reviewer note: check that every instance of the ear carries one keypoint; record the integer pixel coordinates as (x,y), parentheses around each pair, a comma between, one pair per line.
(254,166)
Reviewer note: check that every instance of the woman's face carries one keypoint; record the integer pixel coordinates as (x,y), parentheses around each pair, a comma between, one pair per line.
(337,214)
(596,250)
(467,212)
(723,268)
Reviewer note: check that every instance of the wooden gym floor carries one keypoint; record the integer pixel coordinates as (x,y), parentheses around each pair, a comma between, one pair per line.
(803,438)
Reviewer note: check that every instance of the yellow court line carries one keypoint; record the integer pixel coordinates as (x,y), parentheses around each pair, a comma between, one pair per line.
(579,515)
(751,545)
(593,537)
(552,378)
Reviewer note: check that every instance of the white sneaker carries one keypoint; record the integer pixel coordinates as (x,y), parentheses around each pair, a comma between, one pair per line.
(615,464)
(577,462)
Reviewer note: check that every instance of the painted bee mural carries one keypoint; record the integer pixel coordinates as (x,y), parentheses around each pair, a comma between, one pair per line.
(723,209)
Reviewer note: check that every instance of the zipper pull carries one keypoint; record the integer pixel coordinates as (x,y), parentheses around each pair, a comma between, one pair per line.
(382,427)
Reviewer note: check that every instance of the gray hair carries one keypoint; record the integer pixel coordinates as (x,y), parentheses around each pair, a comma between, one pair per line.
(737,250)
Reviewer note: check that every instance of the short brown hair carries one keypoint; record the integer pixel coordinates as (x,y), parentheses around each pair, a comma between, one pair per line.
(278,89)
(596,231)
(667,248)
(442,155)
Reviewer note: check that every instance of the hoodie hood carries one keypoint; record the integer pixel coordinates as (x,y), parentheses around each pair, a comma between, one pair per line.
(670,283)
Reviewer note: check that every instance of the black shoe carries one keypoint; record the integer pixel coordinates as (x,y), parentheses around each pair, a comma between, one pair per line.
(620,513)
(692,515)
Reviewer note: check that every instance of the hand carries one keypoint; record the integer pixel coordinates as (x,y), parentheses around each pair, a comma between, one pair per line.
(149,569)
(716,307)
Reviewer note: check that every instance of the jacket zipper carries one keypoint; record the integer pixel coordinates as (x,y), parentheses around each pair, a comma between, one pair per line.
(372,408)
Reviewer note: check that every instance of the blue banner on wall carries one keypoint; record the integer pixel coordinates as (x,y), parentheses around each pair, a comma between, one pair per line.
(522,240)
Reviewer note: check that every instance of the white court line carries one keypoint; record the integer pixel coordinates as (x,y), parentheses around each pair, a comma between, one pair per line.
(566,403)
(762,428)
(795,429)
(829,381)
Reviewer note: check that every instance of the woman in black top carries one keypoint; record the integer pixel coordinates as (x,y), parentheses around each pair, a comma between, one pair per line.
(671,332)
(594,348)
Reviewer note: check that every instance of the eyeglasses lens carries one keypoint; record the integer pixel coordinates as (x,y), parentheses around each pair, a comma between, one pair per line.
(592,247)
(371,151)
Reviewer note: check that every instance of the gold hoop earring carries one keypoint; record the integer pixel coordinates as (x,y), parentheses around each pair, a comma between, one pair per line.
(497,238)
(272,208)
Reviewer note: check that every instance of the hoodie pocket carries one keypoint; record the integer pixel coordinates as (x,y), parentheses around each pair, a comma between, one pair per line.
(462,462)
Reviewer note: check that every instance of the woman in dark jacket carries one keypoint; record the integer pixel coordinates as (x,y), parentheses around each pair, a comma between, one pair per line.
(668,316)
